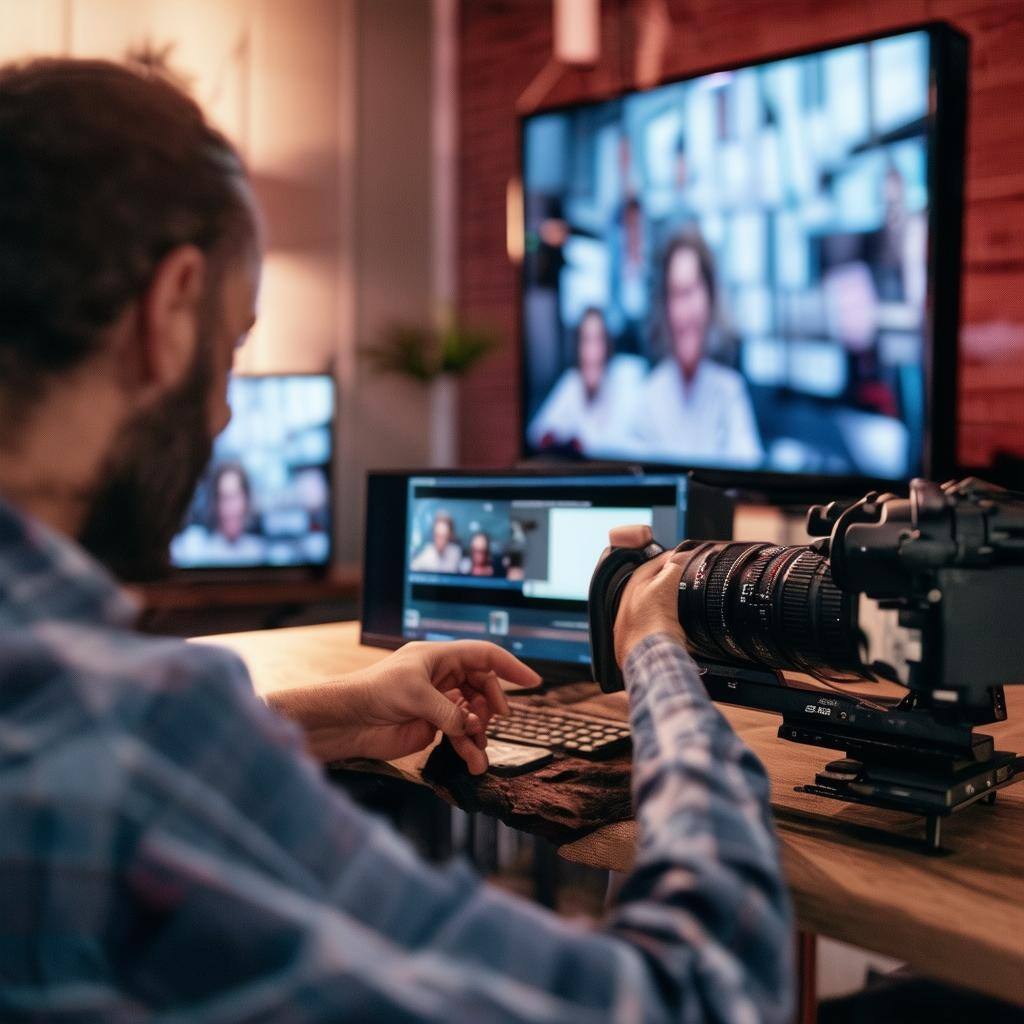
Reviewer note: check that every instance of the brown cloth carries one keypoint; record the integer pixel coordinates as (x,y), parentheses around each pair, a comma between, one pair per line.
(566,799)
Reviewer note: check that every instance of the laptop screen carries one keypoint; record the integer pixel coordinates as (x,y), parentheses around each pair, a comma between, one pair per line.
(509,559)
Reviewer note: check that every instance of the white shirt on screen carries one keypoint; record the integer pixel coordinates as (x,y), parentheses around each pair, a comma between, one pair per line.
(196,547)
(600,425)
(710,421)
(432,560)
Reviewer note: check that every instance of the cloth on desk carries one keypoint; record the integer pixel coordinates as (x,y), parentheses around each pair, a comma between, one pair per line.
(611,848)
(448,774)
(168,850)
(561,801)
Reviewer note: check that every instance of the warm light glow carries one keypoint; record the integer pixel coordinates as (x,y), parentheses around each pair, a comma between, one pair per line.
(577,30)
(515,242)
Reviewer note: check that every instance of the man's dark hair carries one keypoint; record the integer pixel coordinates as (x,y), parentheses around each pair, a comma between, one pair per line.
(103,171)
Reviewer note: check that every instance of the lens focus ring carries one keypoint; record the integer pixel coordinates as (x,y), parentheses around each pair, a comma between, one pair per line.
(722,594)
(768,605)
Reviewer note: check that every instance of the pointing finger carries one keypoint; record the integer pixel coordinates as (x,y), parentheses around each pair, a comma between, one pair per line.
(440,711)
(475,758)
(466,656)
(489,686)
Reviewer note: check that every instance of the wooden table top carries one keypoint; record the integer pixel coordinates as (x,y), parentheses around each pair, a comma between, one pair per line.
(857,874)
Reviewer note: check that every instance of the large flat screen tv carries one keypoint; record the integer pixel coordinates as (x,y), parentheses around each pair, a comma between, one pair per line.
(265,499)
(754,269)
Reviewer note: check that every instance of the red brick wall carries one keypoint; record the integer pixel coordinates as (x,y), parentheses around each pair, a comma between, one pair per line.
(505,43)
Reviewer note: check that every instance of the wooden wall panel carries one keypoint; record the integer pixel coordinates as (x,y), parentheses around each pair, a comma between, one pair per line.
(505,43)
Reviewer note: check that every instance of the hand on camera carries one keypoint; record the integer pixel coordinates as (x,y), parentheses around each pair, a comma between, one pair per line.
(650,601)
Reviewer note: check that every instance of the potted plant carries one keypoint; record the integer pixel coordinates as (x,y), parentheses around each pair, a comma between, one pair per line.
(435,357)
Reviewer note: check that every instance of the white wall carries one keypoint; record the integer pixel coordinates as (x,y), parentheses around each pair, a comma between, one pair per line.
(393,231)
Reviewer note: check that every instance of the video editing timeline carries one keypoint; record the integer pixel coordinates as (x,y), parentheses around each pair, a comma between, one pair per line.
(509,559)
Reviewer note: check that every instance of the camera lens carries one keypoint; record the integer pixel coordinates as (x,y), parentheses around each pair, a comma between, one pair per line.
(768,605)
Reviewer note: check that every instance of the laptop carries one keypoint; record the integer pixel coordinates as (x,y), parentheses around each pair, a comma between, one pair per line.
(507,557)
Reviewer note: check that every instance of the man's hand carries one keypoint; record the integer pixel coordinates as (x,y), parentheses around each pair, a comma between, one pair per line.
(650,601)
(397,706)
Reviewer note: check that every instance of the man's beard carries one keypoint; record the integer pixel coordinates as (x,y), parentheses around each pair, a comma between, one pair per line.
(149,478)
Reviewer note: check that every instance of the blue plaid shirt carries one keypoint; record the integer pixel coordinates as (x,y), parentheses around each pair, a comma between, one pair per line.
(168,852)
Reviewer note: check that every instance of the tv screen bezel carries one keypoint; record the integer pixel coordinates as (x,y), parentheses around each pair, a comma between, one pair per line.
(949,58)
(295,570)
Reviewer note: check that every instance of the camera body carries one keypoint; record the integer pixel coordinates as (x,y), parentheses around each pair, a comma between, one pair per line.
(947,560)
(950,561)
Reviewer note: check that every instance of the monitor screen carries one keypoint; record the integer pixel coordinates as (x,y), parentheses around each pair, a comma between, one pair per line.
(509,559)
(265,498)
(732,271)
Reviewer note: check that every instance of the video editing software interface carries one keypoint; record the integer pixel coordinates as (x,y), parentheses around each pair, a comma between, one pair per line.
(509,559)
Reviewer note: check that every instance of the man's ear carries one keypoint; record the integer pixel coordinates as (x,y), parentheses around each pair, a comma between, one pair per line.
(169,319)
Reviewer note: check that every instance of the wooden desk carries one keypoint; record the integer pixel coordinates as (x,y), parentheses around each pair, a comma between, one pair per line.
(958,916)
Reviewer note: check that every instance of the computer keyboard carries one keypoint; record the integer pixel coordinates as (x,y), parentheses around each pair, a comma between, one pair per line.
(567,731)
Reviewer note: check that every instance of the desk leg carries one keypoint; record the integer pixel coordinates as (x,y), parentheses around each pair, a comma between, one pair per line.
(806,977)
(545,873)
(616,880)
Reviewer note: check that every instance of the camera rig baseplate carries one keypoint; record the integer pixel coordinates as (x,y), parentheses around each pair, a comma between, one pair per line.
(899,755)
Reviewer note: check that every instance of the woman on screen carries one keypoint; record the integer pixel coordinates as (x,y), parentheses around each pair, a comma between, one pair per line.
(227,540)
(693,409)
(586,410)
(480,561)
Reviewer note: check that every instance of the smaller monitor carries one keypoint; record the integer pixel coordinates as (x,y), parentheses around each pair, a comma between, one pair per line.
(265,499)
(508,558)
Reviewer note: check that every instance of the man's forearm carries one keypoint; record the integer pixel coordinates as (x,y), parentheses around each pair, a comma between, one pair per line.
(348,923)
(706,900)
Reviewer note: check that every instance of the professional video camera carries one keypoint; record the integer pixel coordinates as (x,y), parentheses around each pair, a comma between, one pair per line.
(946,564)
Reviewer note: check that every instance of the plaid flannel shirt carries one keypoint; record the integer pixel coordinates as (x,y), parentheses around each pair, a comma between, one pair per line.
(168,852)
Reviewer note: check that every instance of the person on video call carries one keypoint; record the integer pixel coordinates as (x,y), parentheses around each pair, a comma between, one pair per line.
(232,513)
(852,314)
(693,409)
(480,561)
(442,553)
(172,848)
(586,410)
(228,540)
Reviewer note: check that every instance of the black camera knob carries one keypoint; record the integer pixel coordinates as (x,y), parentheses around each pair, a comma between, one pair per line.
(819,524)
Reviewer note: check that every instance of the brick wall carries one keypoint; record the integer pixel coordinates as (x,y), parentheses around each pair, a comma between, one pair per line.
(505,43)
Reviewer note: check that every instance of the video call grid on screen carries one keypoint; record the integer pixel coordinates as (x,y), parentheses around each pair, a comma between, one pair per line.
(264,500)
(509,559)
(732,270)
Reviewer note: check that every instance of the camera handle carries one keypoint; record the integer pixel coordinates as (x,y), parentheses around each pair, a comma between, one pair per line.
(607,584)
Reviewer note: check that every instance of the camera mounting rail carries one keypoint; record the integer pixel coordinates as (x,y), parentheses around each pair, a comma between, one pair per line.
(900,756)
